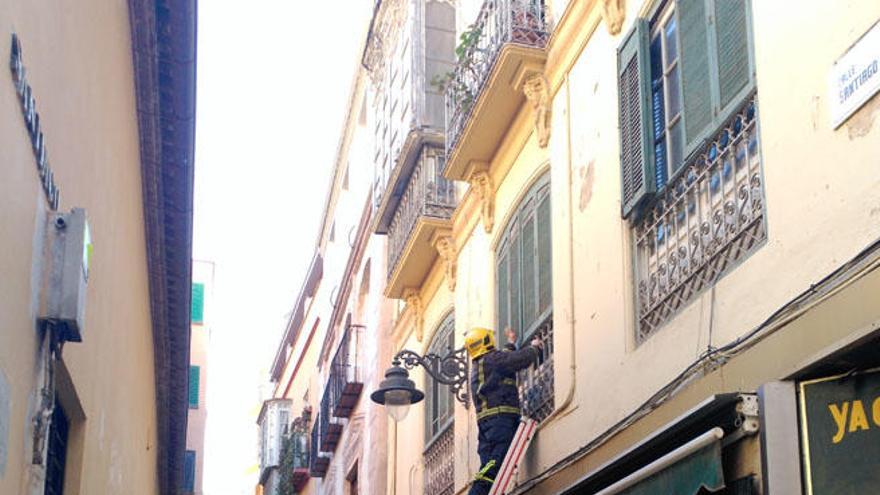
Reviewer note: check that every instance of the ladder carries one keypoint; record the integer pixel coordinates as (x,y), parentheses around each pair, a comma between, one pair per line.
(521,439)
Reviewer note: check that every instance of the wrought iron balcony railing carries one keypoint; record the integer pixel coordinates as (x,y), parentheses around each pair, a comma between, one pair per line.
(536,393)
(318,461)
(499,22)
(440,463)
(345,383)
(428,194)
(703,223)
(331,428)
(295,460)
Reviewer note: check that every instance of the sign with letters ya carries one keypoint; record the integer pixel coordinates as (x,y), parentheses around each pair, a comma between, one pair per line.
(840,433)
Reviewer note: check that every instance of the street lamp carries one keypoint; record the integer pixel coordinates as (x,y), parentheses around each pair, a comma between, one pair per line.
(397,392)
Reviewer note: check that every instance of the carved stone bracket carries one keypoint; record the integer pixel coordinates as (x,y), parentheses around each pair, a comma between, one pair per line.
(481,184)
(613,13)
(537,91)
(445,246)
(414,303)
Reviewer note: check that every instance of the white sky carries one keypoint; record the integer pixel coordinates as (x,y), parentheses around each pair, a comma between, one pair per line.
(273,82)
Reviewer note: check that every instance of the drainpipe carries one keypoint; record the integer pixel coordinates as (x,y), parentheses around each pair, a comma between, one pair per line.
(571,319)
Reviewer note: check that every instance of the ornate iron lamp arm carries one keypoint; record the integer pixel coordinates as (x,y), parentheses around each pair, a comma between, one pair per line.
(450,369)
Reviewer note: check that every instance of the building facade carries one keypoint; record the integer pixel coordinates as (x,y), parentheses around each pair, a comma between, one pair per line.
(645,187)
(96,127)
(200,338)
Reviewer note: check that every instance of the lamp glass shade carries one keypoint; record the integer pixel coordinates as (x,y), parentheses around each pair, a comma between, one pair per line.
(397,403)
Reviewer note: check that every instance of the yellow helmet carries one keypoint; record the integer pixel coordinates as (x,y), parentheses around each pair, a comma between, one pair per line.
(479,341)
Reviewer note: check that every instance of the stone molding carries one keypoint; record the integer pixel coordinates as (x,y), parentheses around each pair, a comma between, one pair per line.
(613,13)
(444,243)
(537,91)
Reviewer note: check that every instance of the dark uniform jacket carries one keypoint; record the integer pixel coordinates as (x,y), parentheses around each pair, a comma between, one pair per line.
(493,380)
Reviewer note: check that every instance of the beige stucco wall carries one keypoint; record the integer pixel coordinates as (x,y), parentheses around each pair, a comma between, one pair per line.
(822,189)
(822,204)
(78,61)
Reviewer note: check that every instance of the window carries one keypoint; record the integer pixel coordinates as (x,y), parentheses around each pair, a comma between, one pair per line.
(524,269)
(189,471)
(439,428)
(197,315)
(682,74)
(194,372)
(692,181)
(439,404)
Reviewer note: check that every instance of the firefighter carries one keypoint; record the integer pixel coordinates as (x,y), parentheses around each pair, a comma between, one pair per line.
(496,397)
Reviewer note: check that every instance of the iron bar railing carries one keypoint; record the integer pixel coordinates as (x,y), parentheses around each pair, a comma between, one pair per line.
(704,222)
(499,22)
(318,461)
(536,392)
(440,463)
(345,382)
(428,194)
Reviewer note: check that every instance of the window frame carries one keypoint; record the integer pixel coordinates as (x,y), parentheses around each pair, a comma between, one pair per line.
(527,209)
(445,331)
(657,15)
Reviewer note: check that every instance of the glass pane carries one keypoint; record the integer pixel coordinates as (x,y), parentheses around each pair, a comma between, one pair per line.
(673,92)
(675,147)
(670,40)
(660,170)
(515,320)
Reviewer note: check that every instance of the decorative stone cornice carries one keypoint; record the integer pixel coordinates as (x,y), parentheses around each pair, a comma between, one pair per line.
(482,186)
(414,304)
(537,91)
(613,13)
(444,243)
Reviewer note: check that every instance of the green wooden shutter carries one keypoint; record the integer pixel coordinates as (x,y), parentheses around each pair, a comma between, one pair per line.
(636,157)
(545,268)
(529,270)
(734,70)
(695,76)
(194,375)
(198,304)
(502,293)
(515,321)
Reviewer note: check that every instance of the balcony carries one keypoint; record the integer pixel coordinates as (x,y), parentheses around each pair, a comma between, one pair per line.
(535,384)
(440,463)
(702,224)
(345,383)
(273,425)
(425,207)
(296,460)
(414,45)
(318,461)
(485,91)
(330,427)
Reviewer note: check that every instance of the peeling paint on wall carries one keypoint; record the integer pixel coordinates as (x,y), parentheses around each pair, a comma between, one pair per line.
(587,175)
(861,122)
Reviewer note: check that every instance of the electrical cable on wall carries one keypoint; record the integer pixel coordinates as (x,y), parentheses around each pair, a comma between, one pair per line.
(851,271)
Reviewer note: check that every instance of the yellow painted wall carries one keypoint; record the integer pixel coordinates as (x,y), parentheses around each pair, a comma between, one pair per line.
(78,61)
(822,189)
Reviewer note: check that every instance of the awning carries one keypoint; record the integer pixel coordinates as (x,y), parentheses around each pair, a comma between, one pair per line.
(684,471)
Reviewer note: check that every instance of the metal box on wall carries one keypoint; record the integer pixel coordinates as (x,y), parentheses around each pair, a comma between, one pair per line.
(67,255)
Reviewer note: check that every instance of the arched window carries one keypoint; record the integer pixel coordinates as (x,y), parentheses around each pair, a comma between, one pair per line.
(439,399)
(524,290)
(439,413)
